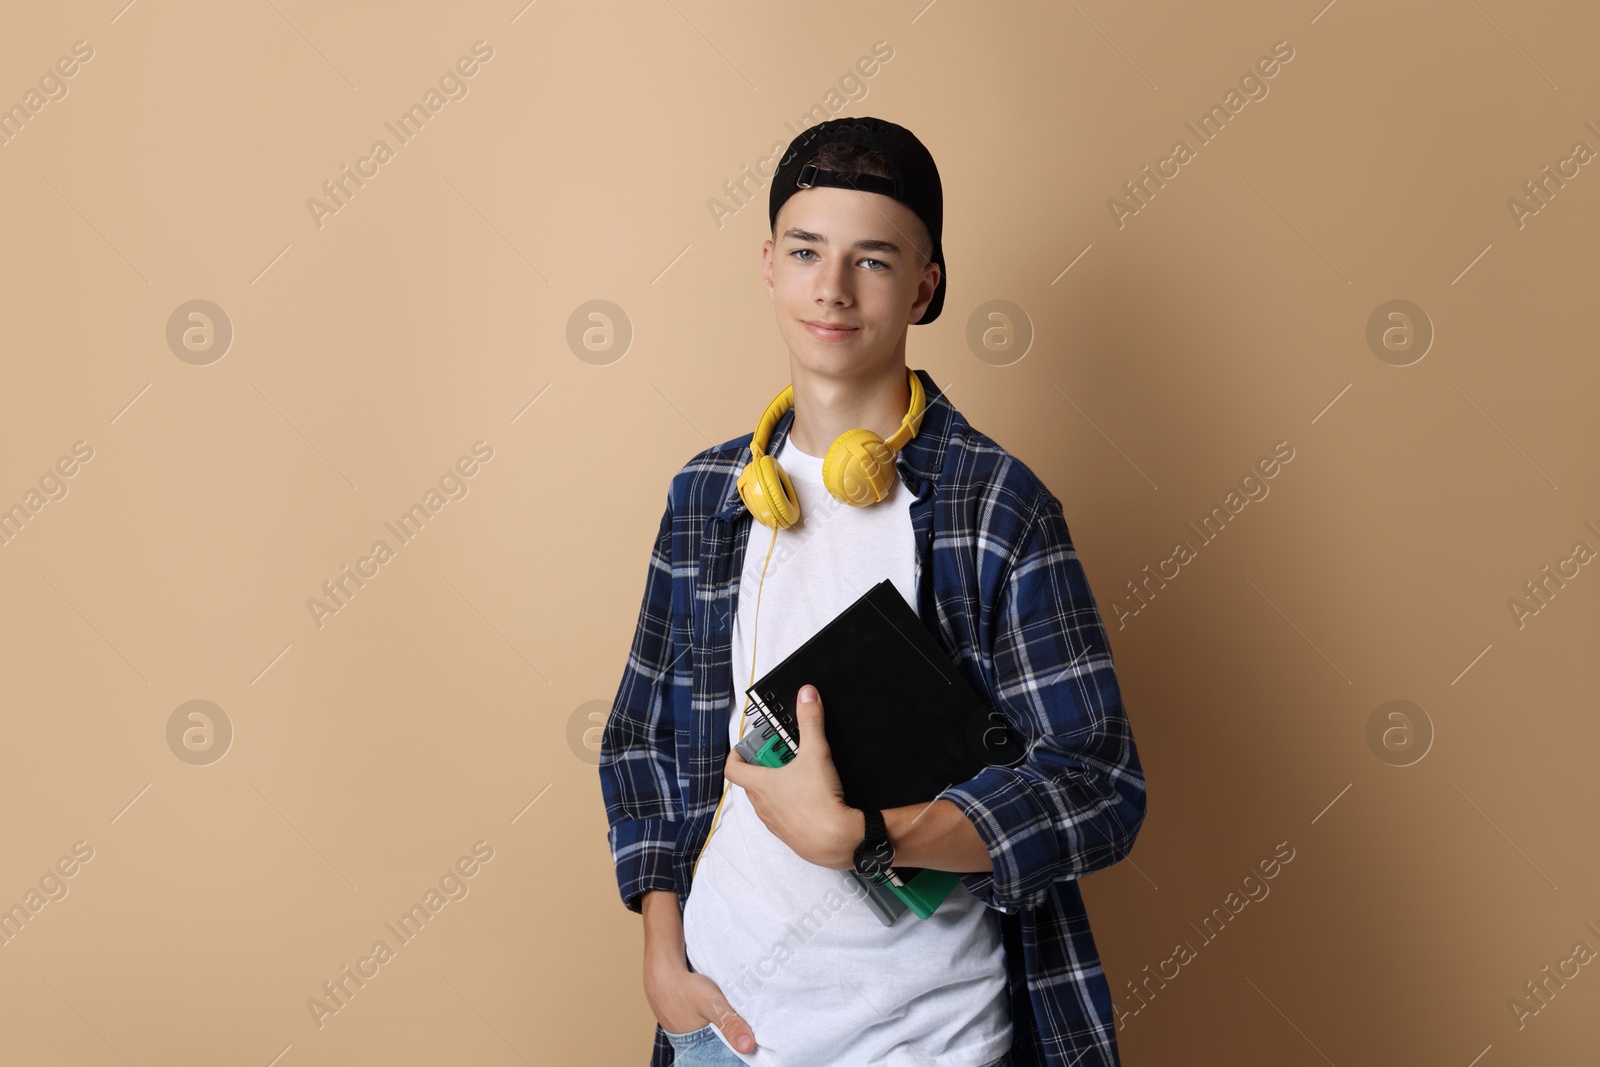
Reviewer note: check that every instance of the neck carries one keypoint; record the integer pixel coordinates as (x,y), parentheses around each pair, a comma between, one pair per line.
(825,406)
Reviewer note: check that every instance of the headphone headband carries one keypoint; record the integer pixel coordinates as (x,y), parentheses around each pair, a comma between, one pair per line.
(785,400)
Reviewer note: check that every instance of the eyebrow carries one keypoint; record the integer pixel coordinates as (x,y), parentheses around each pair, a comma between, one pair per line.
(797,234)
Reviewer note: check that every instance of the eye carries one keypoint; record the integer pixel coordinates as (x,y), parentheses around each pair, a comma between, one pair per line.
(798,251)
(879,262)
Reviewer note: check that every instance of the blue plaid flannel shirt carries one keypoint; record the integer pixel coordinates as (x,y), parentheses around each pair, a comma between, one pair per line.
(1009,600)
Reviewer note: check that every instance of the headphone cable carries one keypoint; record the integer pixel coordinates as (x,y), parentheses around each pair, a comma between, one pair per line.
(755,630)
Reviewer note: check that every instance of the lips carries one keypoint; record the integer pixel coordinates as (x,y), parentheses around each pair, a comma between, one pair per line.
(829,330)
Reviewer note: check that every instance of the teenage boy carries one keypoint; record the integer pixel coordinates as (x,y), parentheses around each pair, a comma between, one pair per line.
(863,471)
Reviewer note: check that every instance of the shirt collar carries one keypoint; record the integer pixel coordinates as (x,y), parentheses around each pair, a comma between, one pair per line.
(919,461)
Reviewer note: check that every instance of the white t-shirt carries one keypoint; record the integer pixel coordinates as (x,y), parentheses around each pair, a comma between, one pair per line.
(795,950)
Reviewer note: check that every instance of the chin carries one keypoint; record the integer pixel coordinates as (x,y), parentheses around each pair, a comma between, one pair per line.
(833,364)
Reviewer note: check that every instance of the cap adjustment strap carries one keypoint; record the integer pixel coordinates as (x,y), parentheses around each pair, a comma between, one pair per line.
(811,176)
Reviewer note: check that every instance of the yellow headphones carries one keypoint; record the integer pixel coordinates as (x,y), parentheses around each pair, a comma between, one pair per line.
(858,468)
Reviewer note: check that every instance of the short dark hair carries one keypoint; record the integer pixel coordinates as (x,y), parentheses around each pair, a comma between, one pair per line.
(849,158)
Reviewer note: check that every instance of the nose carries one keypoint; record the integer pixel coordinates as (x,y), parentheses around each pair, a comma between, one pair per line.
(833,282)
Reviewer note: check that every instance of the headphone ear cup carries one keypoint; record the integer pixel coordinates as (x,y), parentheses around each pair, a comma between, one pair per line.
(767,492)
(859,468)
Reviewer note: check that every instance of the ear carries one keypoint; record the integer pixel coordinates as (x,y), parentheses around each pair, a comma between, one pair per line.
(766,266)
(925,290)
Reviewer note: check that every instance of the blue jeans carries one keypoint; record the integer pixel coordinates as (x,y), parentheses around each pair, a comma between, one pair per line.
(704,1048)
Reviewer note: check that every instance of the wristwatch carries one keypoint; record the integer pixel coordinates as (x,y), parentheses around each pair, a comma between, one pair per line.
(875,854)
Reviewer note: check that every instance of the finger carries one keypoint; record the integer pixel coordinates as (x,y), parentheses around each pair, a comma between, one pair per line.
(735,1029)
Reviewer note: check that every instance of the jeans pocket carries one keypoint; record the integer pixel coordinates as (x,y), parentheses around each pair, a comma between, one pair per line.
(688,1037)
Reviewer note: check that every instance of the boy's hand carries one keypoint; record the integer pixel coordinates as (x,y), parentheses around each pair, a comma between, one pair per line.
(802,802)
(684,1000)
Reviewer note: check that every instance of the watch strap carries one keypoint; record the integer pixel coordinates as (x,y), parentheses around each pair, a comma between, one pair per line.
(873,843)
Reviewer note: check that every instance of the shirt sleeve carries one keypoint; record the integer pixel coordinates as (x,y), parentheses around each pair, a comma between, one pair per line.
(1075,804)
(638,766)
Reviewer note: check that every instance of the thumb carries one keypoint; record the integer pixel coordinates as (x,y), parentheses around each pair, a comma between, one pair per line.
(809,700)
(733,1026)
(808,710)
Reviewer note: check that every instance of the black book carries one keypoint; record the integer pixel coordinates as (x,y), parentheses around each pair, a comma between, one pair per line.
(902,723)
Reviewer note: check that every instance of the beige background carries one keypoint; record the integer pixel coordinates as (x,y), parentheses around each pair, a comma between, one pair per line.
(456,697)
